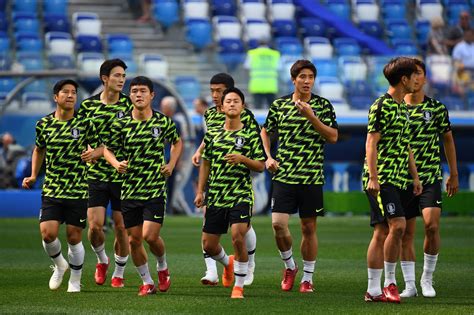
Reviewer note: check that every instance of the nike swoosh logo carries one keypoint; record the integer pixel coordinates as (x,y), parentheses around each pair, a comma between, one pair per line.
(243,216)
(438,202)
(82,220)
(157,217)
(319,210)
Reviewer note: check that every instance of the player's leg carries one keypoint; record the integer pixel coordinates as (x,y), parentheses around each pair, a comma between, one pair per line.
(431,218)
(211,277)
(121,246)
(51,217)
(75,213)
(251,243)
(407,259)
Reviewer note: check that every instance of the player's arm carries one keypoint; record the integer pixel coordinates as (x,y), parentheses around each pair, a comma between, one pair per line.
(373,186)
(271,164)
(109,156)
(175,152)
(452,184)
(253,165)
(92,155)
(197,155)
(36,162)
(417,188)
(328,133)
(204,171)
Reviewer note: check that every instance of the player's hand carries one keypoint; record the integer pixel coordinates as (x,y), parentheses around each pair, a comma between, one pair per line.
(196,158)
(452,185)
(272,165)
(417,187)
(122,167)
(304,109)
(167,170)
(199,200)
(234,158)
(373,187)
(90,155)
(28,182)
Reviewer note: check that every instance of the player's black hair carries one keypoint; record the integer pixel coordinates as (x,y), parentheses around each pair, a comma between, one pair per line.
(233,90)
(59,85)
(421,64)
(223,78)
(301,64)
(397,68)
(108,65)
(142,80)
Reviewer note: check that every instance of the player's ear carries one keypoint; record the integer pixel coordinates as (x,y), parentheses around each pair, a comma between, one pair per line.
(152,95)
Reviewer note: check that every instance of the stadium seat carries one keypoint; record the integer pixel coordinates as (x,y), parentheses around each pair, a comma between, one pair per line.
(318,47)
(119,43)
(199,33)
(428,9)
(281,10)
(189,88)
(359,88)
(5,62)
(3,22)
(366,10)
(375,73)
(195,9)
(226,27)
(289,46)
(312,27)
(36,86)
(327,67)
(453,102)
(340,8)
(353,68)
(422,31)
(60,61)
(360,102)
(36,102)
(86,23)
(28,42)
(55,22)
(454,8)
(405,47)
(253,9)
(25,6)
(284,28)
(231,53)
(371,28)
(25,22)
(394,10)
(166,12)
(88,43)
(154,66)
(55,6)
(256,31)
(3,5)
(398,29)
(330,87)
(132,66)
(7,84)
(4,43)
(439,70)
(89,63)
(346,46)
(59,43)
(30,61)
(223,7)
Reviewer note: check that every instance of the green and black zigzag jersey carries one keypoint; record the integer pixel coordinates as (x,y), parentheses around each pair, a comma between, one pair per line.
(64,141)
(427,121)
(142,145)
(300,146)
(215,120)
(391,120)
(229,184)
(103,115)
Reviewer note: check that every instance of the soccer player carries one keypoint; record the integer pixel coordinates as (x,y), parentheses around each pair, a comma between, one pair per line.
(385,177)
(214,119)
(61,138)
(140,137)
(304,122)
(104,182)
(428,120)
(229,155)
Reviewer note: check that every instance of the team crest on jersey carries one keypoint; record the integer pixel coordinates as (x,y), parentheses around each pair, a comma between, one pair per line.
(239,142)
(120,114)
(75,133)
(427,115)
(155,132)
(391,208)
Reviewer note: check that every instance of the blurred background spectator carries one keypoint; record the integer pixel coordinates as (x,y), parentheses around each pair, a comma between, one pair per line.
(437,38)
(10,153)
(463,52)
(456,32)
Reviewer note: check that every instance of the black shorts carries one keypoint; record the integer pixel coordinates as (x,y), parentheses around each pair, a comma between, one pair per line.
(218,220)
(387,205)
(430,198)
(100,193)
(293,198)
(71,211)
(136,211)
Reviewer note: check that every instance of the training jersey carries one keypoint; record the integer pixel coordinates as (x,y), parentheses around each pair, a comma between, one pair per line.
(142,144)
(391,120)
(103,115)
(427,121)
(215,120)
(64,141)
(230,184)
(300,147)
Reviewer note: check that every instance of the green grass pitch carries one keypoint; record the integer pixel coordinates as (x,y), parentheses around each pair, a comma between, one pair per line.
(340,278)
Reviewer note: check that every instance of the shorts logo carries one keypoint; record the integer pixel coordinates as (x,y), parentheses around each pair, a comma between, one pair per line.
(155,132)
(157,217)
(239,142)
(82,220)
(272,203)
(391,208)
(243,216)
(427,115)
(75,133)
(319,210)
(438,202)
(120,114)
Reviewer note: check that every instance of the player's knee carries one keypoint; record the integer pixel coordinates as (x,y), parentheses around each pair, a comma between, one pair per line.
(151,238)
(135,241)
(237,241)
(279,228)
(308,230)
(95,227)
(431,229)
(48,236)
(397,231)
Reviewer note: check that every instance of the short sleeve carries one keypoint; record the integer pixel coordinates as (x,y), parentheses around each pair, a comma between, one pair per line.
(250,120)
(328,116)
(171,132)
(206,154)
(271,122)
(376,122)
(443,123)
(40,141)
(256,147)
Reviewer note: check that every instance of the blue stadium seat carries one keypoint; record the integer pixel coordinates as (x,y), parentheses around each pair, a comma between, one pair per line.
(56,22)
(346,46)
(199,33)
(312,27)
(119,43)
(340,8)
(398,28)
(453,102)
(327,67)
(231,53)
(31,61)
(189,88)
(3,5)
(394,9)
(28,42)
(55,6)
(422,31)
(359,88)
(289,46)
(223,7)
(4,43)
(166,12)
(406,47)
(60,62)
(371,28)
(25,6)
(284,28)
(360,101)
(88,43)
(3,22)
(7,84)
(25,22)
(5,62)
(36,86)
(454,8)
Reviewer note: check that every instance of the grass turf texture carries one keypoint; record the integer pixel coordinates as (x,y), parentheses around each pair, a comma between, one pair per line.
(340,278)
